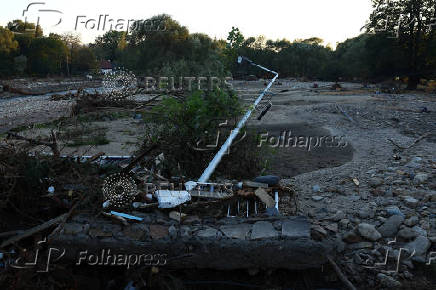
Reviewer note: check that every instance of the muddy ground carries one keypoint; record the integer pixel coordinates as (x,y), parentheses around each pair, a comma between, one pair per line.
(384,163)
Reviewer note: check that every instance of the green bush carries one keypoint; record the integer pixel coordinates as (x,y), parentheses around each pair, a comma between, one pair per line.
(186,130)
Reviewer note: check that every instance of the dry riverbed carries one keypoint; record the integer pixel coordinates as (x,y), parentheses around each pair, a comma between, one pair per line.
(375,185)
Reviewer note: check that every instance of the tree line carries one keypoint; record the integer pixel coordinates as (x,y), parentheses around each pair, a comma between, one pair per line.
(398,40)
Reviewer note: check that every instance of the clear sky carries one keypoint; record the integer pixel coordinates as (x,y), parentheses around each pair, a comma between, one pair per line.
(332,20)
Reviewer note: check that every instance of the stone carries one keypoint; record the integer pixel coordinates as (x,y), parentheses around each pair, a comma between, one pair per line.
(420,245)
(420,178)
(365,213)
(177,216)
(344,223)
(420,231)
(388,281)
(185,232)
(390,227)
(239,231)
(393,210)
(368,232)
(340,245)
(332,227)
(136,232)
(410,201)
(209,233)
(272,211)
(351,237)
(360,245)
(407,234)
(412,221)
(97,232)
(271,180)
(375,182)
(296,228)
(73,228)
(172,232)
(317,198)
(263,230)
(158,232)
(317,232)
(192,219)
(316,188)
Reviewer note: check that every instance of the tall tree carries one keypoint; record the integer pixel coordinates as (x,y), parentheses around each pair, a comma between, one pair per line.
(410,21)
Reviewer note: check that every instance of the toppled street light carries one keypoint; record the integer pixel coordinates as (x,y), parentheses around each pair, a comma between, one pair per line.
(216,160)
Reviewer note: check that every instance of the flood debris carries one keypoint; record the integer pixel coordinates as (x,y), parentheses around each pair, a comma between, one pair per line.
(171,199)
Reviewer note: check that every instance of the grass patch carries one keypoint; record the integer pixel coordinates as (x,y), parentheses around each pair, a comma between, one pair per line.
(91,140)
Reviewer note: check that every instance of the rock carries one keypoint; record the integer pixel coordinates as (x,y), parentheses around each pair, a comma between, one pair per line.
(271,180)
(317,198)
(388,281)
(344,223)
(390,227)
(413,164)
(172,232)
(73,228)
(263,230)
(332,227)
(420,245)
(407,234)
(296,228)
(158,232)
(185,232)
(192,219)
(410,201)
(317,232)
(420,231)
(368,232)
(272,211)
(365,213)
(239,231)
(393,210)
(209,233)
(413,220)
(416,159)
(340,245)
(316,188)
(420,178)
(375,182)
(360,245)
(430,197)
(177,216)
(351,237)
(136,232)
(339,215)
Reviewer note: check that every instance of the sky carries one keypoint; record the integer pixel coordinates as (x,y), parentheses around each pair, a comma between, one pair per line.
(332,20)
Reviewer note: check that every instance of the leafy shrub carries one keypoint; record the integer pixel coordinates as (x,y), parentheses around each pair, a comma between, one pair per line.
(186,130)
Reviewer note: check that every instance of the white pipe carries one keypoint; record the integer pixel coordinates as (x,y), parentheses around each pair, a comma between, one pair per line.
(216,160)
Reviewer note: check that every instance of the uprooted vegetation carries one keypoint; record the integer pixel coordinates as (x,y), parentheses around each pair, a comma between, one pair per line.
(191,130)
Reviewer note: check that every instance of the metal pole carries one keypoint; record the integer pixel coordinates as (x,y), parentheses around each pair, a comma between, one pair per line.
(216,160)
